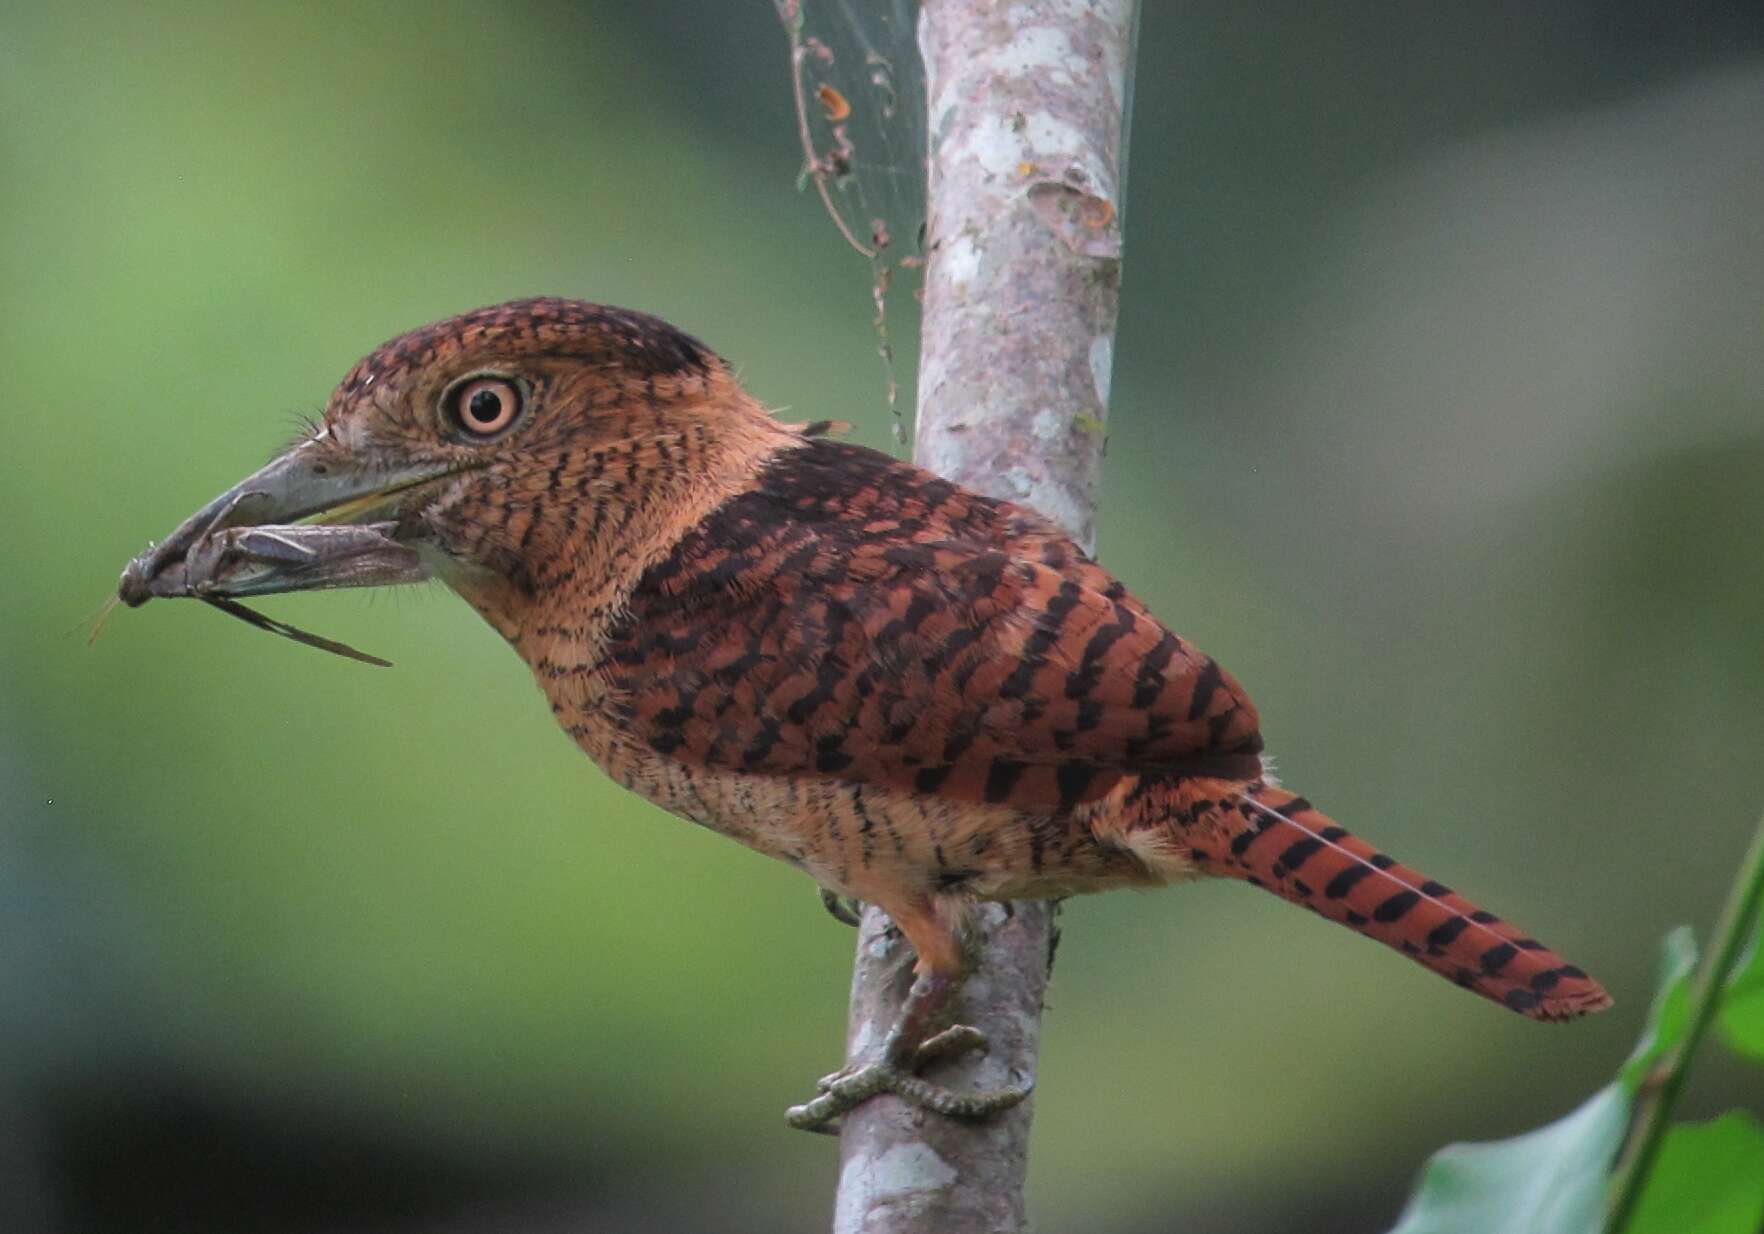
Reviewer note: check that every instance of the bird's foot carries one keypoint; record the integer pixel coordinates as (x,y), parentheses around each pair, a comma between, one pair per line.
(843,909)
(846,1090)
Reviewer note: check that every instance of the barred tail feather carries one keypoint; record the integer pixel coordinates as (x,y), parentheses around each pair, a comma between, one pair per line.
(1274,839)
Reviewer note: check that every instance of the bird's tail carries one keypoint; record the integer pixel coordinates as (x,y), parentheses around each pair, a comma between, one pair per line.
(1274,839)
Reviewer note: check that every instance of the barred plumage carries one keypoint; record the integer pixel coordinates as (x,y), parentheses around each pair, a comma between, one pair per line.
(919,695)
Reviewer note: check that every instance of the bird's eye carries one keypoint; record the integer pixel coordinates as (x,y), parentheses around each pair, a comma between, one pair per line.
(484,406)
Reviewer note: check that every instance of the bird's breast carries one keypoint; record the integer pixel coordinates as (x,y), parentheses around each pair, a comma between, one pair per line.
(862,840)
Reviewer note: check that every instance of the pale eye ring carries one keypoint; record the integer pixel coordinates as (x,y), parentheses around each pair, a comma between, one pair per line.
(484,406)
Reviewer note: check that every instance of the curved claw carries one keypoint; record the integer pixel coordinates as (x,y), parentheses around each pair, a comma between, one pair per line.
(844,1091)
(843,910)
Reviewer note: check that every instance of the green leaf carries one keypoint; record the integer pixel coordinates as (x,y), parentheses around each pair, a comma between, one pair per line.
(1552,1180)
(1708,1179)
(1670,1014)
(1548,1181)
(1742,1007)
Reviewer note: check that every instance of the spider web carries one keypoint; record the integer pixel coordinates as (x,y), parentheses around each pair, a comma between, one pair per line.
(859,87)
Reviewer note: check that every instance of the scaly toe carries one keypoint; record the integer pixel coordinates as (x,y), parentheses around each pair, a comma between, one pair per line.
(826,1082)
(982,1103)
(840,1092)
(844,1091)
(957,1039)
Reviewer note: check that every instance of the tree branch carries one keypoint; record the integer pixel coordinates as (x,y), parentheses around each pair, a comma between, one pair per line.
(1028,100)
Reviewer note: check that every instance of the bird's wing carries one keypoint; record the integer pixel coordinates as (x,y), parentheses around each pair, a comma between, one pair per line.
(870,622)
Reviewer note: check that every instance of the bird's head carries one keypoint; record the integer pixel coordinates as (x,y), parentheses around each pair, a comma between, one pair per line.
(519,449)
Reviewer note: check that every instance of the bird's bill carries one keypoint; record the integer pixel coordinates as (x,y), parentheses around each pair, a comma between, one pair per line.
(237,562)
(248,542)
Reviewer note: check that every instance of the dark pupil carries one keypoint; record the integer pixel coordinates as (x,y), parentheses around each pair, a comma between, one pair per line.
(485,406)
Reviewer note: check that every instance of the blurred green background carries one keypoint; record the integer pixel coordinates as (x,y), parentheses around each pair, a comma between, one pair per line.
(1437,418)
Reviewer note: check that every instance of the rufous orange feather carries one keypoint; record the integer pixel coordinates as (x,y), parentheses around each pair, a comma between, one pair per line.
(919,696)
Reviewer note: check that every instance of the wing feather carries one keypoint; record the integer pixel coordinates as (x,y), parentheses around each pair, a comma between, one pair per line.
(856,617)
